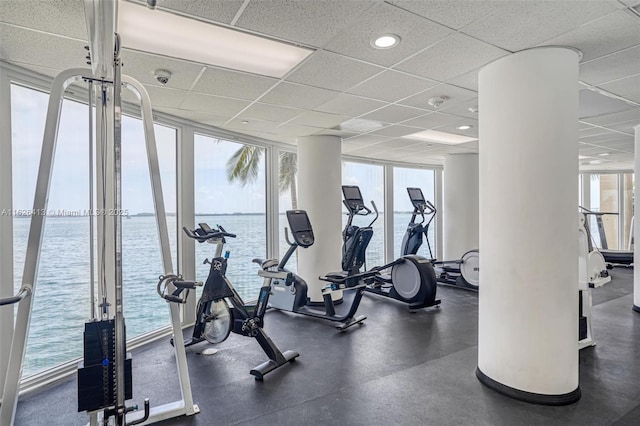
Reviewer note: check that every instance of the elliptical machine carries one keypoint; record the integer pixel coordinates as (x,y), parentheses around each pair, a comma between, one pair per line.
(462,273)
(291,294)
(214,318)
(411,280)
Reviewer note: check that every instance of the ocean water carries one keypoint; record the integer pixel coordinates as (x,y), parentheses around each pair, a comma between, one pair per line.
(62,297)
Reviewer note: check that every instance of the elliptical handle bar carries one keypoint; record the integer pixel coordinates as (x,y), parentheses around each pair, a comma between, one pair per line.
(375,208)
(431,207)
(286,236)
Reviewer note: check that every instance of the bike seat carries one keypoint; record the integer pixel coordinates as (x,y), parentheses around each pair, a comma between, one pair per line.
(266,264)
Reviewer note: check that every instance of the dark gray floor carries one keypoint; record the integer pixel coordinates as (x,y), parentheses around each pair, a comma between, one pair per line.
(398,368)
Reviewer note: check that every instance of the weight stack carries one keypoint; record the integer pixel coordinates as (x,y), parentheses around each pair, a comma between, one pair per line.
(96,374)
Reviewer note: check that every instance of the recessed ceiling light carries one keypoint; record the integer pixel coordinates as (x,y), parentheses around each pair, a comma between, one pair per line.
(245,122)
(439,137)
(174,36)
(386,41)
(604,154)
(595,162)
(464,127)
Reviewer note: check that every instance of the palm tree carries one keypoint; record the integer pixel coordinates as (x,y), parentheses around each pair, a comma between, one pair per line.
(244,164)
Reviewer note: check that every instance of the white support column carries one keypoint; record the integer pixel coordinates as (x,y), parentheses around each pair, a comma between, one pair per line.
(439,227)
(528,322)
(389,249)
(186,217)
(636,228)
(319,182)
(6,223)
(460,205)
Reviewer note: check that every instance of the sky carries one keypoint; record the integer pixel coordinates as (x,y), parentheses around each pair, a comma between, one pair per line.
(213,193)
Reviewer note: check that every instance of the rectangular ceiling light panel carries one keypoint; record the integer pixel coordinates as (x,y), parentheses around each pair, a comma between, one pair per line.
(439,137)
(168,34)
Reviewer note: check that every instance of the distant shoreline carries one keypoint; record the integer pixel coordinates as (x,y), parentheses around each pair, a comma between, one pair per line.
(174,214)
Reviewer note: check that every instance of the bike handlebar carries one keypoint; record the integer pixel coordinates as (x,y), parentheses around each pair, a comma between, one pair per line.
(204,233)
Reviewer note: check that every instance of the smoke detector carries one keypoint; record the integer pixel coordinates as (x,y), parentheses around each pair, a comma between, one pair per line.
(437,101)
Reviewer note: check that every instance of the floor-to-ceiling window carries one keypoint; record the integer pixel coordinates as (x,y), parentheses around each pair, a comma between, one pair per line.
(370,179)
(141,254)
(404,178)
(62,301)
(230,192)
(604,199)
(288,200)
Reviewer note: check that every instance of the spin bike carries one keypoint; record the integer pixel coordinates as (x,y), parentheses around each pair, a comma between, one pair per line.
(462,273)
(214,318)
(291,295)
(411,279)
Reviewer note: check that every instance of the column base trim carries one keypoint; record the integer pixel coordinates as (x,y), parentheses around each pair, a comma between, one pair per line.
(533,398)
(636,308)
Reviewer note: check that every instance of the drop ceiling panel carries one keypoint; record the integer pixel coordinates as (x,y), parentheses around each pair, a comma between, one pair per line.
(525,24)
(217,81)
(593,104)
(349,105)
(164,97)
(394,114)
(453,56)
(452,128)
(455,95)
(198,116)
(213,104)
(50,72)
(64,17)
(628,88)
(141,66)
(300,21)
(592,131)
(392,86)
(467,81)
(612,67)
(625,126)
(252,125)
(330,71)
(619,117)
(28,47)
(606,35)
(602,138)
(290,129)
(454,14)
(462,109)
(419,147)
(216,11)
(432,120)
(319,119)
(400,143)
(367,139)
(415,34)
(397,131)
(473,145)
(269,112)
(297,95)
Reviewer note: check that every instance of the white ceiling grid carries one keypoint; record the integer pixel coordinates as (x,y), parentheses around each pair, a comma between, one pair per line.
(369,97)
